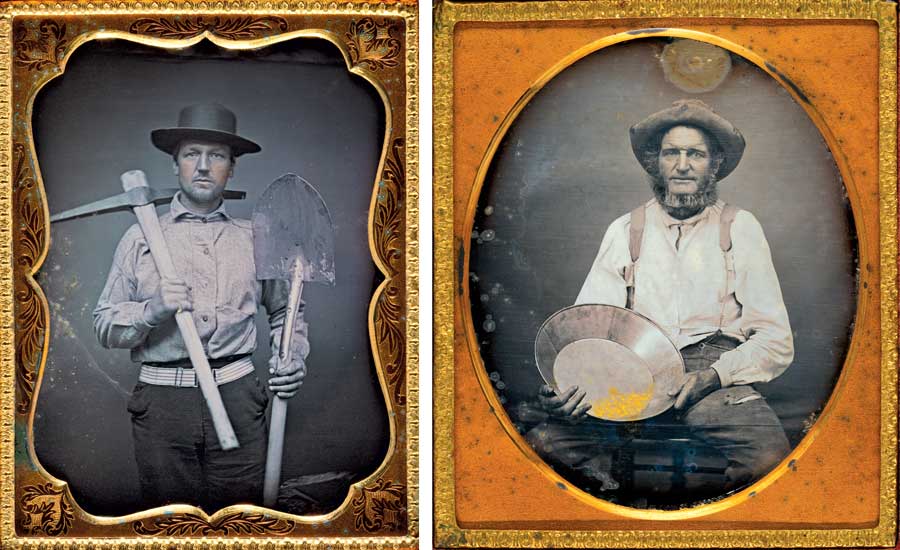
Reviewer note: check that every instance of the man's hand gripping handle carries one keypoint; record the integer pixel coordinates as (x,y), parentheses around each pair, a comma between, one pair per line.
(149,222)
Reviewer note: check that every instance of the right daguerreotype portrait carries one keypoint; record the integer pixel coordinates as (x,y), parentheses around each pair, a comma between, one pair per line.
(663,302)
(664,273)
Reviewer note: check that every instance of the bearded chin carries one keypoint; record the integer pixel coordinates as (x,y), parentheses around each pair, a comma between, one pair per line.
(683,206)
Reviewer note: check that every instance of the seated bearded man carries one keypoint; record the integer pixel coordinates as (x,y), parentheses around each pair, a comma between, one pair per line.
(702,271)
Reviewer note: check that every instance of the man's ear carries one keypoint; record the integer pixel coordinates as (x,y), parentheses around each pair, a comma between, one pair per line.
(231,170)
(175,168)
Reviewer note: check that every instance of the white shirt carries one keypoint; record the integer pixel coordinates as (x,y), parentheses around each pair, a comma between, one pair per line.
(684,289)
(213,254)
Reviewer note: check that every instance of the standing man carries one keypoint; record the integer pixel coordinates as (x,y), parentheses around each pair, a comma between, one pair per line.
(702,270)
(178,454)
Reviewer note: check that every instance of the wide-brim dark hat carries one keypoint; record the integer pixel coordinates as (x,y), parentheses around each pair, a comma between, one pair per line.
(691,112)
(204,122)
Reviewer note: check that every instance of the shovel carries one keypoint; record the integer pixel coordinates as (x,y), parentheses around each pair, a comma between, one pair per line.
(293,239)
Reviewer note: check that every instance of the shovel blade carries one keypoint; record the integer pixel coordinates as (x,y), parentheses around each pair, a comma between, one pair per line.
(291,221)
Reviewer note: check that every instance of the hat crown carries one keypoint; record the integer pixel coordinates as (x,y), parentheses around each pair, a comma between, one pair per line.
(684,104)
(208,122)
(208,116)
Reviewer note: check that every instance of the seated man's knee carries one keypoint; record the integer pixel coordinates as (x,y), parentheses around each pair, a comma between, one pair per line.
(772,450)
(767,447)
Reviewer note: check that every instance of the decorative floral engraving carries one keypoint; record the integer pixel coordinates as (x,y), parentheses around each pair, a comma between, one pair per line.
(232,28)
(30,322)
(388,320)
(388,228)
(380,507)
(42,51)
(237,523)
(372,45)
(45,510)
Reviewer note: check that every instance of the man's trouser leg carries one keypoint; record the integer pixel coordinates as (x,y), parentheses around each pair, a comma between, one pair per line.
(236,476)
(167,444)
(735,420)
(586,447)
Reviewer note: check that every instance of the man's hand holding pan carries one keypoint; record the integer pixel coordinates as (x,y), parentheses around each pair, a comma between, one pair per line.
(568,406)
(694,387)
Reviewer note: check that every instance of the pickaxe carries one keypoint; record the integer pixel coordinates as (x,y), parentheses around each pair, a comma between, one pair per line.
(142,199)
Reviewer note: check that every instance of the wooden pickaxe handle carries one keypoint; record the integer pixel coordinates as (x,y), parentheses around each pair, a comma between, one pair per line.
(149,222)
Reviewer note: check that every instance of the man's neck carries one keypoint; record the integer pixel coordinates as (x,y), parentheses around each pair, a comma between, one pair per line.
(199,209)
(682,212)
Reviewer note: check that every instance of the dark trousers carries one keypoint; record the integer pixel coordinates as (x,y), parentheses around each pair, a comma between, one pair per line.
(735,420)
(178,454)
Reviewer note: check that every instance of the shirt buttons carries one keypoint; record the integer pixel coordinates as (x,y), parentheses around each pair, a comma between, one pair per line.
(206,251)
(205,318)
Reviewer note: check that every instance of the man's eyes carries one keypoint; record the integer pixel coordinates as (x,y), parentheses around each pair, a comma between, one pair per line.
(195,154)
(692,153)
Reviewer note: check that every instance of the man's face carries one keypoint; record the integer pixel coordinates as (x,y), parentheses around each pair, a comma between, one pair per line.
(685,161)
(203,168)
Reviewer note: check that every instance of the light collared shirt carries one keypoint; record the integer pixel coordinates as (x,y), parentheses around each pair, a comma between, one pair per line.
(213,254)
(685,288)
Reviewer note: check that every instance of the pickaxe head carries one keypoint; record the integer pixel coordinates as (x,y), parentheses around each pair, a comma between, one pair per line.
(138,196)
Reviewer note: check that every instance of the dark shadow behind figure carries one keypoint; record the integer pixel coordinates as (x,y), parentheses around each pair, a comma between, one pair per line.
(564,171)
(313,118)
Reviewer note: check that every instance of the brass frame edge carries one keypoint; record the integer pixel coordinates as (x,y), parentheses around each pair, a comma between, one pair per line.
(7,319)
(411,202)
(447,531)
(409,111)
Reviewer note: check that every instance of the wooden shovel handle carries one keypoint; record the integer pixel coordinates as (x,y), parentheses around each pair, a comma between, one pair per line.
(149,222)
(279,407)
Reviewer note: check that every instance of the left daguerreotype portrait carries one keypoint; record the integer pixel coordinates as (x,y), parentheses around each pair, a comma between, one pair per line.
(666,247)
(211,241)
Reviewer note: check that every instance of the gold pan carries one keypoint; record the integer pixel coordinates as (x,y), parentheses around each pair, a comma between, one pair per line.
(622,360)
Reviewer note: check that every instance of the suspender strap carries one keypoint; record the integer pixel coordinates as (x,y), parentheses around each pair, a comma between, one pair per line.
(636,233)
(725,221)
(635,236)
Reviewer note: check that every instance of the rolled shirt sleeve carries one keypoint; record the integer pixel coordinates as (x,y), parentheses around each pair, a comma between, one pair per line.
(120,318)
(274,299)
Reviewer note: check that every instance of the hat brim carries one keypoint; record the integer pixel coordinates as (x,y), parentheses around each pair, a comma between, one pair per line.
(167,139)
(728,137)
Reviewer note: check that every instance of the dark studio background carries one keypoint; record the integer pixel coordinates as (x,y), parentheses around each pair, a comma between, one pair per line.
(312,118)
(565,171)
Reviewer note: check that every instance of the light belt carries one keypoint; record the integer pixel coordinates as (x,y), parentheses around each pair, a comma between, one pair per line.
(187,378)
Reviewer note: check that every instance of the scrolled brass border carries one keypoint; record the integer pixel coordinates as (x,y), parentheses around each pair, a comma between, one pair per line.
(42,54)
(447,257)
